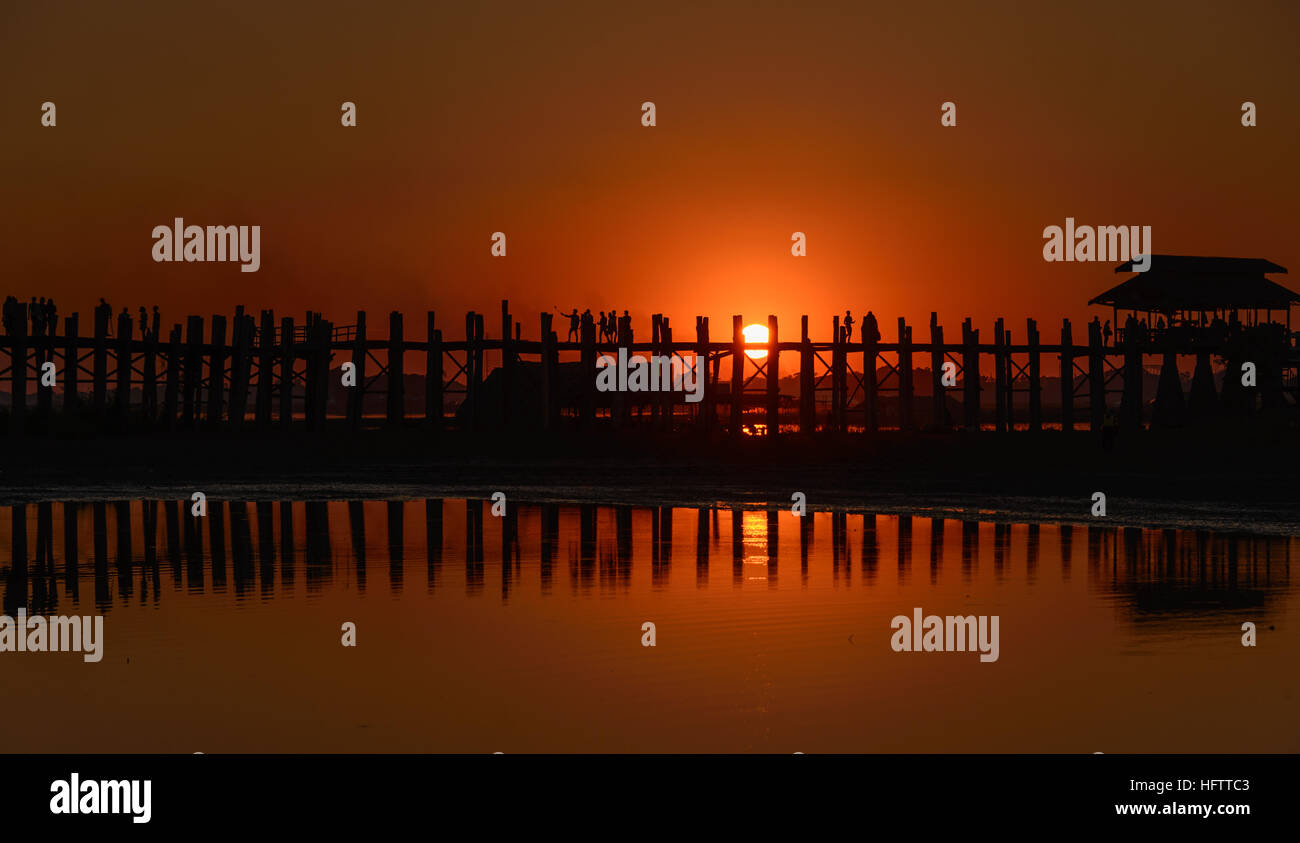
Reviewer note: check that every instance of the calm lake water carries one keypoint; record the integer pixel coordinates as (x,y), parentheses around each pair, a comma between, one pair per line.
(479,634)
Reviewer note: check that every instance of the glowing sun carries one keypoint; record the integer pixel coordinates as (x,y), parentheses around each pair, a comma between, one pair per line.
(753,334)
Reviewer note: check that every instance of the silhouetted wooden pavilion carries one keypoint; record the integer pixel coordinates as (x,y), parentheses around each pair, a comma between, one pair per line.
(1188,290)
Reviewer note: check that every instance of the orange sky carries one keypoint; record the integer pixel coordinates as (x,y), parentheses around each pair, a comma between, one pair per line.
(525,118)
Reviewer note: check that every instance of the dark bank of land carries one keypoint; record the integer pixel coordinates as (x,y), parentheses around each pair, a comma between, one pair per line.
(1234,474)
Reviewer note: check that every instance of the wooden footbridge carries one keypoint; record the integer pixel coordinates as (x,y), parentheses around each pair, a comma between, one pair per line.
(245,373)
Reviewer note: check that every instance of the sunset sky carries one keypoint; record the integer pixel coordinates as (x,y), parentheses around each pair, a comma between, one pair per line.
(525,118)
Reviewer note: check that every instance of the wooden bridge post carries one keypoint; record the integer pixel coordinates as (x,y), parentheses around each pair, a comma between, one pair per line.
(1000,374)
(357,394)
(737,376)
(474,362)
(122,397)
(838,366)
(44,354)
(970,372)
(938,392)
(1067,377)
(311,369)
(807,393)
(1130,408)
(871,400)
(668,398)
(149,384)
(433,374)
(265,364)
(1035,379)
(1008,380)
(171,393)
(709,407)
(217,370)
(71,364)
(507,365)
(1096,379)
(99,394)
(549,389)
(287,359)
(18,370)
(396,368)
(1202,398)
(656,349)
(587,336)
(241,371)
(905,390)
(193,383)
(324,354)
(773,379)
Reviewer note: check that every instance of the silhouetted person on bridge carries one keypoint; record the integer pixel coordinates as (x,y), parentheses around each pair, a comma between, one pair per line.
(848,325)
(870,330)
(1105,334)
(574,321)
(104,311)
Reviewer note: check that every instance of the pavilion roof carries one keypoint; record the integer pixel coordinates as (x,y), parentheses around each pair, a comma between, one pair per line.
(1183,282)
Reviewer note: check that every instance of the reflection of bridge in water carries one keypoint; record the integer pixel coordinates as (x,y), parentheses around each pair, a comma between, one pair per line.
(258,547)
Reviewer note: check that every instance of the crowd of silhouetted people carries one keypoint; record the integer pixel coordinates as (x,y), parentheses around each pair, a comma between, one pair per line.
(40,318)
(1215,332)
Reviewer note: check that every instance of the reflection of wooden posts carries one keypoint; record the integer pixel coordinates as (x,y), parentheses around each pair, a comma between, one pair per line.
(71,364)
(871,399)
(1035,383)
(287,355)
(265,364)
(122,397)
(18,371)
(938,392)
(1000,375)
(737,375)
(396,394)
(807,395)
(216,370)
(547,379)
(773,379)
(99,389)
(1067,377)
(905,390)
(171,392)
(970,373)
(357,393)
(507,365)
(587,336)
(433,374)
(1096,379)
